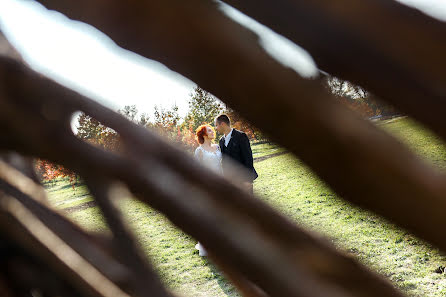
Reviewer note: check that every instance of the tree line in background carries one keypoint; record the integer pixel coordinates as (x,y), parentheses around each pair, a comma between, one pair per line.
(203,109)
(358,99)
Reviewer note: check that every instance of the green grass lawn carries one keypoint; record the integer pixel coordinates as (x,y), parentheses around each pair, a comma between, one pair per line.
(286,184)
(264,149)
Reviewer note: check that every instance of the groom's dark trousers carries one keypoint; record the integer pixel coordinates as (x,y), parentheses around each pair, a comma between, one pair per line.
(239,151)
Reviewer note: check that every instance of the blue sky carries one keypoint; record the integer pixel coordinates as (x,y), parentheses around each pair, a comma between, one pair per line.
(82,58)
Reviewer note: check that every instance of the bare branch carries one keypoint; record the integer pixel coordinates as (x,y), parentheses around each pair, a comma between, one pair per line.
(361,163)
(144,279)
(385,56)
(27,230)
(225,219)
(72,235)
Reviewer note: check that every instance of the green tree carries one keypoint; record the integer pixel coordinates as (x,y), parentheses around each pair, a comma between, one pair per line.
(343,88)
(93,131)
(167,122)
(166,118)
(203,108)
(357,98)
(240,123)
(89,128)
(131,113)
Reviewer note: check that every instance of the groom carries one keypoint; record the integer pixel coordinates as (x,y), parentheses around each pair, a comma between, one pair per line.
(235,146)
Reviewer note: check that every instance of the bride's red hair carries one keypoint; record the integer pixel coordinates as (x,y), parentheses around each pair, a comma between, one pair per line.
(201,132)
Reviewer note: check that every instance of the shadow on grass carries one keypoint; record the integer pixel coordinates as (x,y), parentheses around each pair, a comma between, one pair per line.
(77,184)
(80,207)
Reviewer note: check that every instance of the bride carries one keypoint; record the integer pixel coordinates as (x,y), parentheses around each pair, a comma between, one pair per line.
(209,155)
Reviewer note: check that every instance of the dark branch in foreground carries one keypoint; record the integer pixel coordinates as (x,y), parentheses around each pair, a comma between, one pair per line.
(361,163)
(400,58)
(228,221)
(257,245)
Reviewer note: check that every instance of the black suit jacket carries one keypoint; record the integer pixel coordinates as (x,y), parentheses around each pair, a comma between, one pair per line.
(239,150)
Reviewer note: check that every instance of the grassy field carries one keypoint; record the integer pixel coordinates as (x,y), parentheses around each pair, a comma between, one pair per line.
(286,184)
(265,149)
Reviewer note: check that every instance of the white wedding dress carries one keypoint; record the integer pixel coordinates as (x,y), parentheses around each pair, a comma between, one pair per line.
(211,160)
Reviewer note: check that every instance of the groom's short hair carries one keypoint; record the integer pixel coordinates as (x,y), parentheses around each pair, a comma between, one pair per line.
(223,119)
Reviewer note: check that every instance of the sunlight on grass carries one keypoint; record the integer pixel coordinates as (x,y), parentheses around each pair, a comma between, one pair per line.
(264,149)
(423,142)
(286,184)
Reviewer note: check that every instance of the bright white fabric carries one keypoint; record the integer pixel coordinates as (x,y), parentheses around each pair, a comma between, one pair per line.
(211,160)
(201,251)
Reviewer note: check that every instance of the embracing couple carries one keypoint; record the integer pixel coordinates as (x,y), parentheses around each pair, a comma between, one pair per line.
(233,149)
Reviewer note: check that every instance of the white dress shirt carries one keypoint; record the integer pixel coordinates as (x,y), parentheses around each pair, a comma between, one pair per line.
(228,137)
